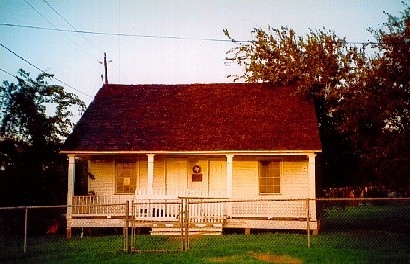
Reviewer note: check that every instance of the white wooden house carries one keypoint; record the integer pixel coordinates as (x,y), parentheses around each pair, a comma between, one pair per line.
(234,141)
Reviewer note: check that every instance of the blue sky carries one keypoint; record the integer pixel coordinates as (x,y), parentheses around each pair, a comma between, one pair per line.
(74,58)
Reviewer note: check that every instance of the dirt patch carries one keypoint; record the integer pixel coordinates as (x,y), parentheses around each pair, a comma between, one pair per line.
(225,259)
(276,259)
(266,257)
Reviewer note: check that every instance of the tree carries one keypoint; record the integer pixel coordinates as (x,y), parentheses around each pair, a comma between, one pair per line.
(31,134)
(320,65)
(382,132)
(362,102)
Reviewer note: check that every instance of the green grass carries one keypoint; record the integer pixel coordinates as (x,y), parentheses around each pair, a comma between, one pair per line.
(392,218)
(364,234)
(326,248)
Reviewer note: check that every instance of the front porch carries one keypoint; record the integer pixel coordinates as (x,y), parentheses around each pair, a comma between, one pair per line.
(166,214)
(206,190)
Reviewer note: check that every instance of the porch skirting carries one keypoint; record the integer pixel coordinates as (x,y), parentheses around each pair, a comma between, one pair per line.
(162,228)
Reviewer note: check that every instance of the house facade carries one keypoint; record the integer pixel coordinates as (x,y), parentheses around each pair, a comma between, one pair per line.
(236,142)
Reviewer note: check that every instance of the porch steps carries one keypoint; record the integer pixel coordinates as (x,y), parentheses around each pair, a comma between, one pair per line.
(174,229)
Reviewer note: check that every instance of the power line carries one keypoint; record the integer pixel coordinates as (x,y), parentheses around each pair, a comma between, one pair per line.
(65,20)
(6,72)
(75,29)
(49,22)
(151,36)
(122,34)
(31,64)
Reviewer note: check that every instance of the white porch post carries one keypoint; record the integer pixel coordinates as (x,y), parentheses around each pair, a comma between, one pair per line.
(150,173)
(312,185)
(229,175)
(70,192)
(312,176)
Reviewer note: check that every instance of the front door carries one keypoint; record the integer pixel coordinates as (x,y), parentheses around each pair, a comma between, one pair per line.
(176,175)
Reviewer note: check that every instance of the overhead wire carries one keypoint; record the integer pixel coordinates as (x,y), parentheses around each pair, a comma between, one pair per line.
(49,22)
(71,25)
(151,36)
(74,28)
(122,34)
(6,72)
(34,66)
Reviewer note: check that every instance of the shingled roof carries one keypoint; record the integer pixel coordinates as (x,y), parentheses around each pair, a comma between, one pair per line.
(196,117)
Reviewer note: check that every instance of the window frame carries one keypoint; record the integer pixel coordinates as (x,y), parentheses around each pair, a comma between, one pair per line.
(133,179)
(268,162)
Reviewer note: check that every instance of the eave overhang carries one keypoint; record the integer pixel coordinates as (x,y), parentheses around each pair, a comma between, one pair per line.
(218,152)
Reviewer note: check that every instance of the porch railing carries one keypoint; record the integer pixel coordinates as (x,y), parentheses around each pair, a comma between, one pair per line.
(272,208)
(165,205)
(161,206)
(94,205)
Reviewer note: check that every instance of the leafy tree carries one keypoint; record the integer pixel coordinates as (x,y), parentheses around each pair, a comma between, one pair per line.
(320,65)
(382,132)
(31,134)
(362,102)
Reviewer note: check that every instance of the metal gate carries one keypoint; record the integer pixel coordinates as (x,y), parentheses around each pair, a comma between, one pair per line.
(166,225)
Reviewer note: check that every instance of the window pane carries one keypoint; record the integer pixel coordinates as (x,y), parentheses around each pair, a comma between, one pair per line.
(125,177)
(269,189)
(269,177)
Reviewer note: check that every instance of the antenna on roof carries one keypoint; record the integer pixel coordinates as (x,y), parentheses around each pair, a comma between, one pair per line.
(105,68)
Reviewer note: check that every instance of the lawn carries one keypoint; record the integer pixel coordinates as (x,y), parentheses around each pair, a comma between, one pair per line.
(265,248)
(364,234)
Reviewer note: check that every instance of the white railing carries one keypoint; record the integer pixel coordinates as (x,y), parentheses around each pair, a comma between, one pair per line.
(100,205)
(175,193)
(165,205)
(156,209)
(257,207)
(208,210)
(159,205)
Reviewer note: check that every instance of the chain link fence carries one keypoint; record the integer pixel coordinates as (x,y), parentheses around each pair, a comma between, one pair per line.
(377,224)
(31,232)
(371,224)
(217,226)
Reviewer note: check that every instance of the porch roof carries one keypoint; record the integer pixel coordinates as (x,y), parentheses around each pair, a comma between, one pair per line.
(195,118)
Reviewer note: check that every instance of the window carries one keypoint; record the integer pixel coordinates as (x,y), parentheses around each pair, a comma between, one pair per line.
(125,177)
(269,177)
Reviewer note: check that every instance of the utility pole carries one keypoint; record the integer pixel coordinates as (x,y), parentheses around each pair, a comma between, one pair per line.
(105,68)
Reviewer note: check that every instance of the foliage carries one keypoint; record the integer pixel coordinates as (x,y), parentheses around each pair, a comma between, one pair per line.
(382,132)
(30,138)
(362,102)
(319,65)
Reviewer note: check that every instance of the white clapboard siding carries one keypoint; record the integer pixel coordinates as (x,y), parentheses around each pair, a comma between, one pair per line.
(245,179)
(104,177)
(295,180)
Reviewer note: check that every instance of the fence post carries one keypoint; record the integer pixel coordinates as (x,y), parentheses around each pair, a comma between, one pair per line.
(125,231)
(181,219)
(132,226)
(25,230)
(308,221)
(186,219)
